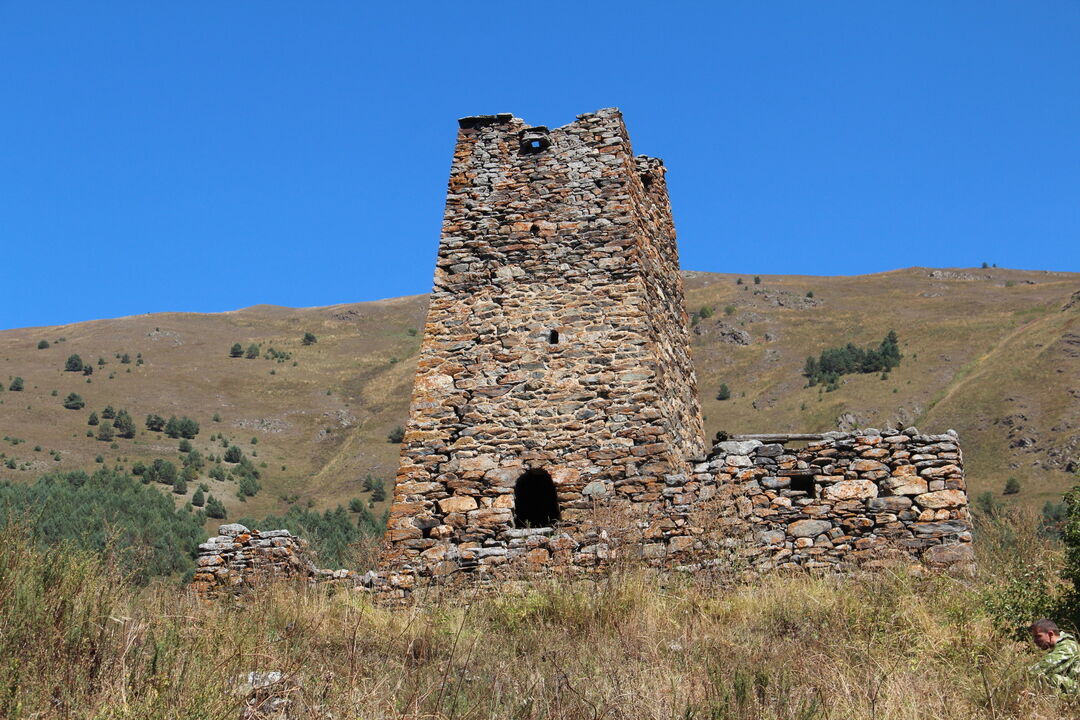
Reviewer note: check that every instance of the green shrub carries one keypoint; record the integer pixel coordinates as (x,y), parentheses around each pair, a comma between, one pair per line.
(42,344)
(833,362)
(74,363)
(1012,486)
(16,384)
(237,350)
(396,436)
(74,402)
(309,339)
(330,533)
(233,454)
(215,508)
(724,393)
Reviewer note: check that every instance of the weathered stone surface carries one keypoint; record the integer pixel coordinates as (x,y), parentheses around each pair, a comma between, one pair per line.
(904,485)
(850,490)
(457,504)
(942,499)
(808,528)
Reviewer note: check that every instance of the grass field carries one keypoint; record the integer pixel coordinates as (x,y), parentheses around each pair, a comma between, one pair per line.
(77,643)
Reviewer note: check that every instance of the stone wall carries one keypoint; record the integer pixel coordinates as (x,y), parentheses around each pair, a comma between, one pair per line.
(556,342)
(864,498)
(237,559)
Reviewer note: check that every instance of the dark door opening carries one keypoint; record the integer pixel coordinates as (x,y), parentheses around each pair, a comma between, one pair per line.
(536,504)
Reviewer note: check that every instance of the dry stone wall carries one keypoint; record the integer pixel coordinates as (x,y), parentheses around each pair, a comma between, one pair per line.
(556,345)
(238,559)
(864,498)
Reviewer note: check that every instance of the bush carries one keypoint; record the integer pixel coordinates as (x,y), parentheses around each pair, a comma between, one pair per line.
(729,310)
(74,363)
(233,454)
(248,487)
(155,423)
(396,436)
(215,508)
(1012,486)
(125,359)
(724,393)
(161,471)
(42,344)
(198,499)
(16,384)
(185,446)
(74,402)
(237,350)
(108,413)
(757,279)
(180,486)
(105,433)
(252,353)
(125,426)
(93,419)
(309,339)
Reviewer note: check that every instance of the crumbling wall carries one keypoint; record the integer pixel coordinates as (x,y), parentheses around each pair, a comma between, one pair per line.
(238,559)
(863,498)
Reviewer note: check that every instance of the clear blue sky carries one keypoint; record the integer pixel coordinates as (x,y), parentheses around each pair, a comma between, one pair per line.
(209,156)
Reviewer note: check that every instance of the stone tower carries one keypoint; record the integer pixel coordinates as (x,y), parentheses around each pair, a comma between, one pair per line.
(555,400)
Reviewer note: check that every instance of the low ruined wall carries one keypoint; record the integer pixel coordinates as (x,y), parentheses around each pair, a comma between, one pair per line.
(238,559)
(864,498)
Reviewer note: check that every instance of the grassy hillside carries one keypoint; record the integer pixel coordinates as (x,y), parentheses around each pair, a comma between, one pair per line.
(991,353)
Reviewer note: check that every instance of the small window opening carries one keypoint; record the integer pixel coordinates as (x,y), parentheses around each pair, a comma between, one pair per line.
(536,504)
(646,180)
(553,337)
(535,230)
(803,483)
(534,140)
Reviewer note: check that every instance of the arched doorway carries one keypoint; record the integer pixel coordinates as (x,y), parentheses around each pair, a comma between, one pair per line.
(536,504)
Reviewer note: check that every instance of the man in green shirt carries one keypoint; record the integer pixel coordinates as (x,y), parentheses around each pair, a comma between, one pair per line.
(1060,668)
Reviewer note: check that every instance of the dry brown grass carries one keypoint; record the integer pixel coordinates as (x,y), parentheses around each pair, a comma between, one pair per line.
(637,645)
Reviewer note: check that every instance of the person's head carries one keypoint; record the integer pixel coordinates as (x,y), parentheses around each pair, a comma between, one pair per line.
(1045,633)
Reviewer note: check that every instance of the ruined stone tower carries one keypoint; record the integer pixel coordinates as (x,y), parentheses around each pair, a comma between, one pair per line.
(554,387)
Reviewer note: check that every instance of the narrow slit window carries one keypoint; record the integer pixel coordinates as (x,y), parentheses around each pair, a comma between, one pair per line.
(553,337)
(536,503)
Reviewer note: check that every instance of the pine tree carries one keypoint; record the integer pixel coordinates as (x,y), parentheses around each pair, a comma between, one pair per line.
(93,420)
(16,384)
(236,350)
(125,426)
(105,432)
(198,499)
(215,508)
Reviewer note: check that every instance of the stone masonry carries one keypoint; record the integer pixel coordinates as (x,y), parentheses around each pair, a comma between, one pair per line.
(863,498)
(554,421)
(237,559)
(555,362)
